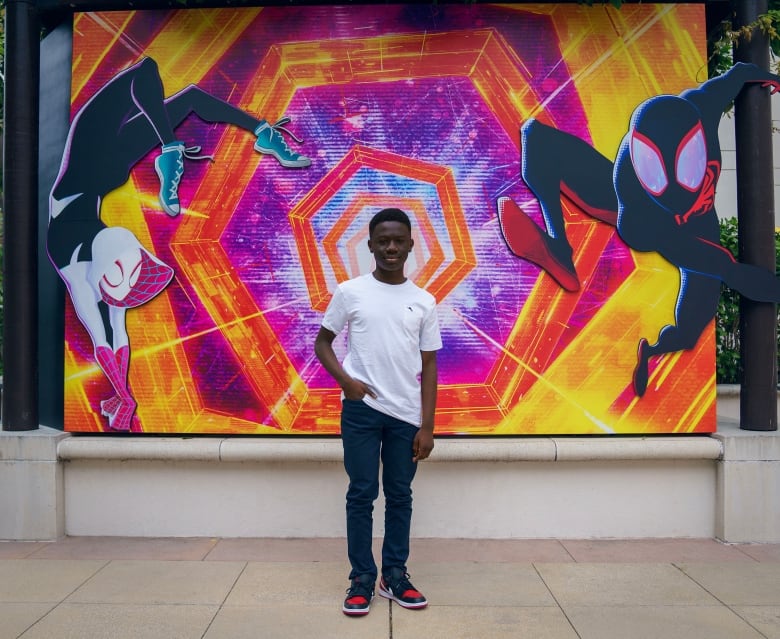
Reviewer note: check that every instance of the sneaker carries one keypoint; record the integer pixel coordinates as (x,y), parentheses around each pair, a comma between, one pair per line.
(359,596)
(271,142)
(169,166)
(396,586)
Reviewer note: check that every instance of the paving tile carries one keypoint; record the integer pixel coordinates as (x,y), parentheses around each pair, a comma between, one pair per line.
(765,619)
(760,552)
(121,587)
(623,584)
(739,584)
(15,618)
(490,550)
(659,622)
(323,584)
(35,581)
(160,582)
(283,621)
(483,584)
(114,621)
(466,622)
(20,549)
(651,550)
(284,550)
(178,549)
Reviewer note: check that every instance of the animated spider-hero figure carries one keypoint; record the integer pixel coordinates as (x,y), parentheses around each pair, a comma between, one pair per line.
(659,193)
(105,268)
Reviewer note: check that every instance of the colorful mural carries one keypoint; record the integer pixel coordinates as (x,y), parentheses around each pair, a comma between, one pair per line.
(417,107)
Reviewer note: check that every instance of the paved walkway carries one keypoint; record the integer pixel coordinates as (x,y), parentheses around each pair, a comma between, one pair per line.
(87,588)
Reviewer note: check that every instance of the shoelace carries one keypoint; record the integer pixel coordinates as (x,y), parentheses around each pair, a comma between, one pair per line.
(400,585)
(174,190)
(189,152)
(279,126)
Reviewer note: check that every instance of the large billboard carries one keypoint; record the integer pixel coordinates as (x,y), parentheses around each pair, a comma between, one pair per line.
(194,309)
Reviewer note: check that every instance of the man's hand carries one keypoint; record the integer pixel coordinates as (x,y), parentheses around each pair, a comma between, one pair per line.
(422,445)
(357,389)
(773,85)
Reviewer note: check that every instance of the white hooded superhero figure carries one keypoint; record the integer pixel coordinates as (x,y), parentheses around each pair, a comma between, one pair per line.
(106,269)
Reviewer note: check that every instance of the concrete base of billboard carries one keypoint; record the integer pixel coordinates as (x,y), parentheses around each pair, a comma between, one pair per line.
(32,497)
(724,486)
(748,486)
(471,488)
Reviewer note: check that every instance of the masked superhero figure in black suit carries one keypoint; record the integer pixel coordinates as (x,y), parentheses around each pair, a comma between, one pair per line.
(659,193)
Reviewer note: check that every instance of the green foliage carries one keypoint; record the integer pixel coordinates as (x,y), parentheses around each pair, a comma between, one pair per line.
(615,3)
(722,39)
(728,364)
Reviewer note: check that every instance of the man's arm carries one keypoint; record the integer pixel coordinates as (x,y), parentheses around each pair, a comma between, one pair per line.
(714,96)
(323,349)
(429,383)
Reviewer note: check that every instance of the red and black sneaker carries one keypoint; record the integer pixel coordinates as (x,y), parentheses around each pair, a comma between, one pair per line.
(359,596)
(396,586)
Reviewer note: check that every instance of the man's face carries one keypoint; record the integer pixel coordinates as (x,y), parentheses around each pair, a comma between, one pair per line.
(390,243)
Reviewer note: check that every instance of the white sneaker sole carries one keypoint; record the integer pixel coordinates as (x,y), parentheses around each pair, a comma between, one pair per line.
(359,612)
(300,163)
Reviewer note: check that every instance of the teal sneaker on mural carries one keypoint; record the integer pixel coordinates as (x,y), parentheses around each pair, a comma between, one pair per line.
(169,166)
(271,142)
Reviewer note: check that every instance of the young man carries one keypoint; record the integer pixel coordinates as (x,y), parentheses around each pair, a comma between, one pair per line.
(388,381)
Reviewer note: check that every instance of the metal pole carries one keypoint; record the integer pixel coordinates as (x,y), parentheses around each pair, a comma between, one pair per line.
(756,226)
(20,217)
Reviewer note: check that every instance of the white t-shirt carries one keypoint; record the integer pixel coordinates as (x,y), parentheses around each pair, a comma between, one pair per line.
(388,326)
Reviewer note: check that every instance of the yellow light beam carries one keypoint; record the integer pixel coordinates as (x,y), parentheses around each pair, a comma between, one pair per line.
(150,350)
(601,425)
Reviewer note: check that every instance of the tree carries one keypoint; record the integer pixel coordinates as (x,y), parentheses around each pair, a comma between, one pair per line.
(721,39)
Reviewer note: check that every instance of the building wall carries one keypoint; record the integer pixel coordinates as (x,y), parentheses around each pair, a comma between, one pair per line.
(726,195)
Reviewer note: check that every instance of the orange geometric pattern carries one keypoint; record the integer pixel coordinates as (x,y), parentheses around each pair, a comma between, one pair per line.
(442,178)
(476,54)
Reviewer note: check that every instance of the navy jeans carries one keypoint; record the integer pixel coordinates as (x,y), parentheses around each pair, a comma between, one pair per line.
(368,436)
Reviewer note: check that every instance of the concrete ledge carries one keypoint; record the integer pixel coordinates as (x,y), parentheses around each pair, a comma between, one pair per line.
(31,485)
(723,485)
(320,449)
(748,486)
(490,487)
(728,404)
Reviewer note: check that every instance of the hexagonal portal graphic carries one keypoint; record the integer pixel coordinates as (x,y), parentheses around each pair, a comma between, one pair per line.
(473,54)
(303,216)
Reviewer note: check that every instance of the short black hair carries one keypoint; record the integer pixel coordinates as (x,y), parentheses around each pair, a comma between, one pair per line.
(389,215)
